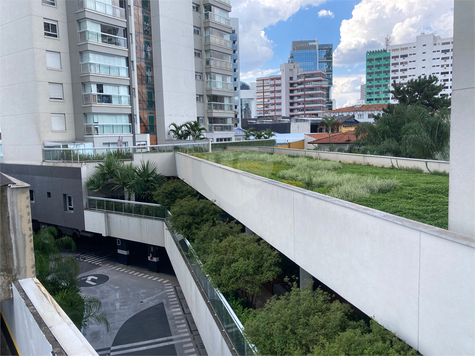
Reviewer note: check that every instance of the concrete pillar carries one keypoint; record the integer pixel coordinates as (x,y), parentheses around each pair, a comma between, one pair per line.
(123,251)
(153,258)
(305,278)
(462,135)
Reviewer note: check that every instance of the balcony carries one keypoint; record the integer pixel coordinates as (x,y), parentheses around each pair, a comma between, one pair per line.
(107,129)
(215,84)
(217,63)
(217,18)
(220,106)
(218,41)
(105,99)
(99,37)
(220,128)
(101,7)
(105,69)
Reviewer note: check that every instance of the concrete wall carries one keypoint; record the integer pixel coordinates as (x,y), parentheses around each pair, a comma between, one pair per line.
(165,162)
(415,279)
(209,330)
(17,260)
(462,131)
(127,227)
(38,325)
(57,180)
(378,161)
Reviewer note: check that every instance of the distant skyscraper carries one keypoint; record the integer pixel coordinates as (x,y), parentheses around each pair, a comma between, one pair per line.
(377,77)
(313,56)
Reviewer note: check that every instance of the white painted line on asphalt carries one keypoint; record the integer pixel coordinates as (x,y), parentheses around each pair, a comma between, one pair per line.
(155,278)
(140,275)
(148,347)
(176,309)
(136,273)
(188,351)
(187,345)
(153,341)
(161,279)
(149,277)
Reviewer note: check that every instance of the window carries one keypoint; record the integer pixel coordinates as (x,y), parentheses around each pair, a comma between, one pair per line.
(105,94)
(101,63)
(196,30)
(49,2)
(151,123)
(68,202)
(53,60)
(199,98)
(105,124)
(48,195)
(199,76)
(196,7)
(58,122)
(51,28)
(32,196)
(55,91)
(197,54)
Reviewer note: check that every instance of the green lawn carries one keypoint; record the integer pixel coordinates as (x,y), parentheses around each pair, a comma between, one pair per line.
(408,193)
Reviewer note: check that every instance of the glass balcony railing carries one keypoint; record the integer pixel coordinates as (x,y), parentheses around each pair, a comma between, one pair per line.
(225,1)
(217,18)
(99,37)
(220,106)
(107,129)
(127,207)
(218,41)
(106,69)
(218,63)
(101,7)
(214,84)
(106,99)
(220,128)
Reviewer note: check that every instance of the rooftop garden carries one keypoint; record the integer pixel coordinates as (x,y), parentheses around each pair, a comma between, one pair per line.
(407,193)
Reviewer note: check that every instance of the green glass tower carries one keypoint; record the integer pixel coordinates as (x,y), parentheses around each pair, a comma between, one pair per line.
(378,84)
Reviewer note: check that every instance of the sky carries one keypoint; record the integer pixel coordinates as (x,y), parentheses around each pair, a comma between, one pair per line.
(268,27)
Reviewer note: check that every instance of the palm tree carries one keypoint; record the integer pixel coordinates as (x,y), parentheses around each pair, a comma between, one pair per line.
(195,130)
(329,123)
(146,181)
(104,174)
(123,179)
(179,132)
(268,133)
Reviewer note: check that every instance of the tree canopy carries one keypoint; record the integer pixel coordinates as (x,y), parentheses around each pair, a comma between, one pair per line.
(171,191)
(190,130)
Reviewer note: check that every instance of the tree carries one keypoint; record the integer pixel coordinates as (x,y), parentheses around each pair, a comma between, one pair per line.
(195,130)
(422,91)
(242,262)
(179,132)
(58,275)
(329,123)
(268,133)
(304,322)
(213,231)
(146,181)
(171,191)
(103,177)
(190,213)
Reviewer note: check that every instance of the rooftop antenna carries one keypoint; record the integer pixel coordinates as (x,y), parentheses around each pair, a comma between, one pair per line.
(387,41)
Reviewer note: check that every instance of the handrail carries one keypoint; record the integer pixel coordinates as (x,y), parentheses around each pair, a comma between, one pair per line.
(126,207)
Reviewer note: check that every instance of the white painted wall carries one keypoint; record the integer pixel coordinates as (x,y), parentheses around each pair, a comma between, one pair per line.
(415,279)
(353,158)
(26,332)
(165,162)
(209,330)
(462,131)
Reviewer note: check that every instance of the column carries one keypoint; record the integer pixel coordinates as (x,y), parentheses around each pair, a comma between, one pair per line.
(123,251)
(153,258)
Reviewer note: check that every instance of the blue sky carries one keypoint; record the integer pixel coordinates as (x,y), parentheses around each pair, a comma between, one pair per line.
(267,28)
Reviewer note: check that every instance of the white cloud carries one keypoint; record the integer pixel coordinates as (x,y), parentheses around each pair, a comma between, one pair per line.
(403,20)
(346,90)
(251,75)
(254,17)
(325,13)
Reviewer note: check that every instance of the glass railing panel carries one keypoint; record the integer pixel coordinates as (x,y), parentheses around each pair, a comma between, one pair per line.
(105,99)
(99,37)
(215,84)
(217,41)
(217,63)
(101,7)
(217,18)
(105,69)
(220,106)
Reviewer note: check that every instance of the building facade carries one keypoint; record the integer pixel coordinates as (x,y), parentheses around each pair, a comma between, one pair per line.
(294,93)
(428,55)
(313,56)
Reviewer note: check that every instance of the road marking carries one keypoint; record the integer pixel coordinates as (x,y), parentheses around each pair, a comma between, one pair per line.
(152,345)
(155,278)
(177,313)
(190,350)
(89,280)
(149,277)
(140,275)
(187,345)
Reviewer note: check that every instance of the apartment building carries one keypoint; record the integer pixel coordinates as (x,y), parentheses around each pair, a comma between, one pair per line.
(428,55)
(213,63)
(313,56)
(294,93)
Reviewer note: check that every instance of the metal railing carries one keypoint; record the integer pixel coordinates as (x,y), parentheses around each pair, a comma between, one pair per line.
(99,6)
(126,207)
(99,37)
(217,18)
(100,153)
(98,68)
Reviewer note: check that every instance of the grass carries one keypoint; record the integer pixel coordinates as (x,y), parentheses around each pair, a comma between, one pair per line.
(408,193)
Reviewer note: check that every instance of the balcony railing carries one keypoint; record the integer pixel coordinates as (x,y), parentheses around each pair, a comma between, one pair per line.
(101,7)
(215,84)
(218,41)
(220,106)
(106,69)
(220,128)
(99,37)
(105,99)
(217,18)
(107,129)
(126,207)
(218,63)
(75,155)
